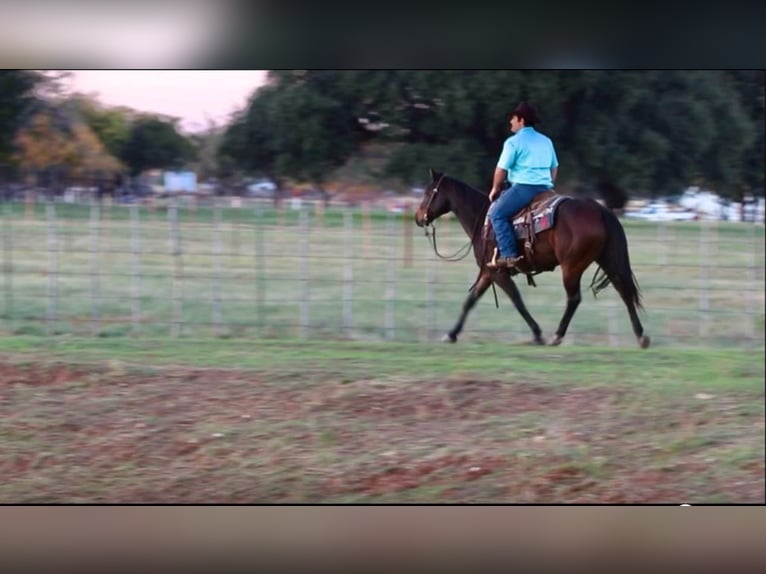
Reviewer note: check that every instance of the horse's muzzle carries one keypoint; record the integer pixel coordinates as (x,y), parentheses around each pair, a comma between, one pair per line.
(421,219)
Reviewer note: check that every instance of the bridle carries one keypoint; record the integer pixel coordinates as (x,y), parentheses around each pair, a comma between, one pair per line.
(426,223)
(431,234)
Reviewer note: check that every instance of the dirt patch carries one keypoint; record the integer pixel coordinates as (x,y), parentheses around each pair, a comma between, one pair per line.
(117,433)
(467,399)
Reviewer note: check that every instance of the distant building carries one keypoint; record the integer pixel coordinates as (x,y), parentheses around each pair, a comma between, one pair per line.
(179,181)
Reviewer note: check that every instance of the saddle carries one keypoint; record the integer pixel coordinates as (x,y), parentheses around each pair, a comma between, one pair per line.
(526,223)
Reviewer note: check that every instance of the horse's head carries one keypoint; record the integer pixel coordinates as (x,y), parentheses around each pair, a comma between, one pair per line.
(435,201)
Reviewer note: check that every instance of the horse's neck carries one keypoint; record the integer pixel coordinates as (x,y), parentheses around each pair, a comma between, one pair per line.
(469,213)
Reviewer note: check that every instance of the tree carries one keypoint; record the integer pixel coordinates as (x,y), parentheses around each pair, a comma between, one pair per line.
(292,130)
(617,132)
(110,124)
(17,97)
(154,143)
(749,86)
(206,145)
(45,144)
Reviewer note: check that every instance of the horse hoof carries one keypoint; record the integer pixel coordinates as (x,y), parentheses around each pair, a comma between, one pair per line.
(538,341)
(447,338)
(644,341)
(555,342)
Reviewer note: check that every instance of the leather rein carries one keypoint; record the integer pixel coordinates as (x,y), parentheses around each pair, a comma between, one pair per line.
(431,233)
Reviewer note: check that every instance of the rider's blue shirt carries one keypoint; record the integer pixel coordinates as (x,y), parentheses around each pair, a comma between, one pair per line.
(528,156)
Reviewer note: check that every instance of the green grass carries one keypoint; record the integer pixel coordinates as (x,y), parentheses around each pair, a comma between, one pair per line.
(97,420)
(313,358)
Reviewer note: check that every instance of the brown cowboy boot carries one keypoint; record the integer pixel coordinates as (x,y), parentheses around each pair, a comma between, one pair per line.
(508,262)
(503,262)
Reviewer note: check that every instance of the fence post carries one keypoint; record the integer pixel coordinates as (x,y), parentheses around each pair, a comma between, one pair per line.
(304,271)
(50,210)
(95,219)
(430,297)
(234,254)
(107,219)
(662,238)
(135,247)
(175,250)
(754,291)
(704,304)
(366,228)
(390,325)
(259,267)
(8,263)
(30,198)
(217,268)
(408,224)
(348,272)
(612,318)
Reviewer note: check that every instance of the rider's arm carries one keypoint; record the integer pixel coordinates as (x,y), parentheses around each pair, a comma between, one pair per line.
(497,183)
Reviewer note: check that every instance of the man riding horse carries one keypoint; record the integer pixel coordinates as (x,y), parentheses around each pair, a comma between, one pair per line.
(529,163)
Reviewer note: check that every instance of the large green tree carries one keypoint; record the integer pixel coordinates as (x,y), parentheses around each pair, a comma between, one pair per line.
(155,143)
(617,132)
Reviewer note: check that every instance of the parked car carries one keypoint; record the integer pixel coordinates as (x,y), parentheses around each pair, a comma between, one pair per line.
(661,212)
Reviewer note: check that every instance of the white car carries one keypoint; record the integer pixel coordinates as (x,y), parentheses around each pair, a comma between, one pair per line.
(660,212)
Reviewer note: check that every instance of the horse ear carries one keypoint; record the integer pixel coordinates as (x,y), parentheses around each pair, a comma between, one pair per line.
(434,174)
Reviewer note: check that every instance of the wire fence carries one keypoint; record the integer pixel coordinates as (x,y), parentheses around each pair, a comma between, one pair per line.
(241,268)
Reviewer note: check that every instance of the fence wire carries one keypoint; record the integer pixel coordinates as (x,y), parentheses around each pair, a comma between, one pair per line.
(247,269)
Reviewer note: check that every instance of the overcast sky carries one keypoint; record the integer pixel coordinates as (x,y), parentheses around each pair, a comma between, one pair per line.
(192,95)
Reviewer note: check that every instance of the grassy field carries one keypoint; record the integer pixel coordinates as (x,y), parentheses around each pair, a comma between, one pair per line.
(119,420)
(703,282)
(218,364)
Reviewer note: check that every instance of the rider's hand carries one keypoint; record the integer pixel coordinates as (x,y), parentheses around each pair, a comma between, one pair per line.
(493,194)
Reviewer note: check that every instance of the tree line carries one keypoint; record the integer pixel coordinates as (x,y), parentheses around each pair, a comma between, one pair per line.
(617,133)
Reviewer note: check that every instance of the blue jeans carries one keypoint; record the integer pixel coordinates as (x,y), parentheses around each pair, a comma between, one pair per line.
(518,196)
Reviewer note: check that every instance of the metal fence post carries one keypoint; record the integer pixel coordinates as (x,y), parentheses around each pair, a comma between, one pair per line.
(390,324)
(348,272)
(430,298)
(662,251)
(754,291)
(8,264)
(135,247)
(704,304)
(614,340)
(175,251)
(304,271)
(95,229)
(217,328)
(50,210)
(259,266)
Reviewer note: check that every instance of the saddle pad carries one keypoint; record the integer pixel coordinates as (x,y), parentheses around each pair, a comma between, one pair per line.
(541,220)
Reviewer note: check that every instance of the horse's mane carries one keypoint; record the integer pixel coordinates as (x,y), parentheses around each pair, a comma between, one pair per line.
(476,197)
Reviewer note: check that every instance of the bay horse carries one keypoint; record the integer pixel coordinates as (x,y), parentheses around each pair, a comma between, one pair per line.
(584,231)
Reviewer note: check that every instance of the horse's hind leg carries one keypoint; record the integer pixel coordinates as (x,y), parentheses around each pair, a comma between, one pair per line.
(571,277)
(478,290)
(638,328)
(506,284)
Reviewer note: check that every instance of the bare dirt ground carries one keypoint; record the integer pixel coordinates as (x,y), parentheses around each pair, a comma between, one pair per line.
(111,433)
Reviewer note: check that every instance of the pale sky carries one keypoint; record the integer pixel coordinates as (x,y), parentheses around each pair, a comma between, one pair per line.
(192,95)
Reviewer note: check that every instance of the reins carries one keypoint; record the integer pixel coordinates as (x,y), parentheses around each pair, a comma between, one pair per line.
(466,249)
(457,256)
(461,253)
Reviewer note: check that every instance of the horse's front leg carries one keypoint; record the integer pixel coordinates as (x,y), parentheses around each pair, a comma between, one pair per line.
(506,284)
(485,280)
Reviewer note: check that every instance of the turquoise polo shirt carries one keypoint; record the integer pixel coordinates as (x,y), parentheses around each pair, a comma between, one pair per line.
(528,156)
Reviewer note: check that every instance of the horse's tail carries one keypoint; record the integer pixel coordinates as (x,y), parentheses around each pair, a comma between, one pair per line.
(614,262)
